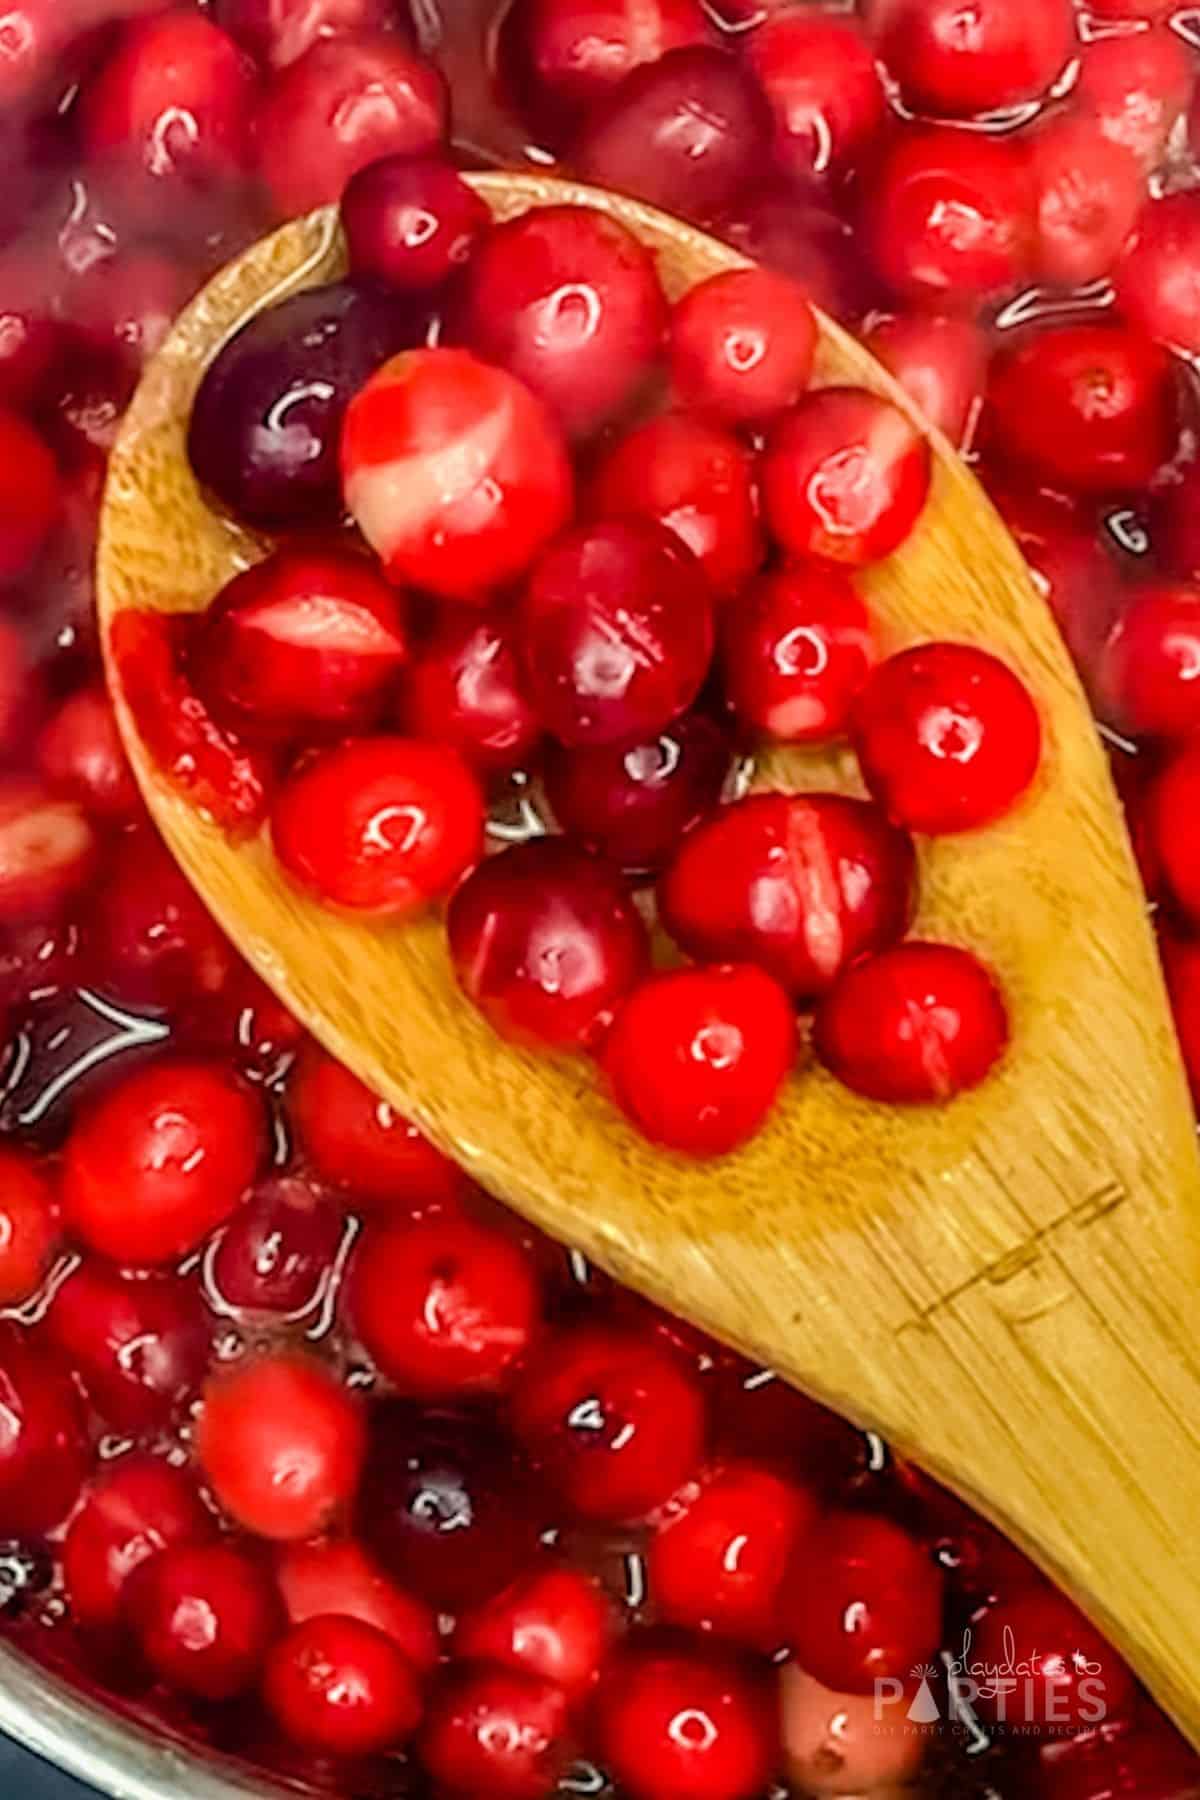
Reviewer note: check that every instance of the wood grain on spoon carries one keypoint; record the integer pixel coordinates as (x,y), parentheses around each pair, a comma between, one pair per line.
(1004,1287)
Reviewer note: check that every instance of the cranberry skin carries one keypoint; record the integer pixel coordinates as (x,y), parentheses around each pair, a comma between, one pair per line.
(687,133)
(495,1731)
(823,88)
(140,1346)
(1132,9)
(800,884)
(411,222)
(276,1251)
(341,1687)
(152,937)
(611,1419)
(782,227)
(30,1233)
(915,1025)
(553,1623)
(128,301)
(205,1616)
(1125,1759)
(1181,967)
(546,941)
(80,755)
(337,1576)
(30,494)
(1088,195)
(1157,286)
(22,693)
(455,472)
(947,736)
(567,57)
(833,1744)
(1135,87)
(32,340)
(614,632)
(44,1451)
(463,688)
(742,346)
(132,1510)
(958,65)
(1147,679)
(1172,806)
(281,1443)
(48,851)
(380,826)
(1175,523)
(278,32)
(795,653)
(1070,568)
(685,1725)
(266,425)
(160,1161)
(1039,1628)
(940,362)
(632,803)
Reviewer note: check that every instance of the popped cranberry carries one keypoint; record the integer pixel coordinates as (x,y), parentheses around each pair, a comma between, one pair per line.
(339,1686)
(958,64)
(463,688)
(1172,804)
(455,472)
(801,884)
(160,1160)
(742,345)
(278,32)
(48,850)
(380,826)
(914,1025)
(205,1616)
(687,133)
(30,494)
(947,736)
(565,57)
(819,76)
(845,1744)
(44,1450)
(1070,568)
(554,1623)
(632,803)
(495,1731)
(139,1344)
(277,1249)
(611,1419)
(1151,664)
(940,362)
(411,222)
(1181,967)
(614,632)
(133,1509)
(337,1576)
(80,755)
(30,1233)
(796,651)
(546,941)
(1076,1678)
(154,940)
(686,1725)
(281,1443)
(1136,86)
(1088,192)
(1158,290)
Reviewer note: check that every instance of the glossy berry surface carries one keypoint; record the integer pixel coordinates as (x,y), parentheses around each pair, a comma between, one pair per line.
(30,1232)
(137,1507)
(1156,278)
(742,346)
(555,1624)
(1136,87)
(1089,193)
(568,56)
(496,1731)
(1077,1680)
(204,1616)
(30,494)
(411,222)
(941,362)
(341,1687)
(795,654)
(686,1726)
(463,688)
(821,82)
(277,1250)
(958,65)
(336,1577)
(1170,805)
(139,1345)
(44,1452)
(1152,661)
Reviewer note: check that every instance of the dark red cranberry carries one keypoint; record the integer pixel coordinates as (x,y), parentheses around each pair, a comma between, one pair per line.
(1069,567)
(957,65)
(1136,86)
(336,1576)
(802,884)
(48,851)
(276,1251)
(546,940)
(1088,191)
(132,1510)
(341,1687)
(495,1731)
(688,1724)
(1175,523)
(463,688)
(783,228)
(153,939)
(1172,804)
(205,1616)
(30,494)
(44,1450)
(1181,967)
(277,32)
(940,362)
(1126,10)
(246,1020)
(1075,1678)
(30,1233)
(1122,1759)
(564,57)
(22,692)
(80,754)
(32,339)
(762,1418)
(411,222)
(796,651)
(554,1623)
(1147,681)
(742,346)
(140,1345)
(37,961)
(820,79)
(1157,289)
(128,301)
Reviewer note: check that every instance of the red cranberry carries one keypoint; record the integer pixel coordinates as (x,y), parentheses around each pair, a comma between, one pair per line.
(1088,192)
(1157,286)
(1172,803)
(341,1687)
(139,1345)
(1175,523)
(32,340)
(380,826)
(37,961)
(128,301)
(343,104)
(1106,419)
(742,345)
(686,1725)
(1122,1759)
(245,1019)
(275,1252)
(553,1623)
(30,495)
(1181,967)
(916,1024)
(956,65)
(278,32)
(687,133)
(820,78)
(846,1743)
(456,473)
(801,884)
(566,57)
(632,803)
(947,736)
(154,940)
(160,1161)
(22,692)
(44,1451)
(48,850)
(1069,567)
(463,688)
(1074,1678)
(132,1510)
(281,1443)
(614,632)
(495,1731)
(1132,9)
(80,755)
(205,1616)
(411,222)
(30,1233)
(795,653)
(1151,664)
(780,226)
(337,1576)
(759,1416)
(612,1420)
(546,941)
(1136,87)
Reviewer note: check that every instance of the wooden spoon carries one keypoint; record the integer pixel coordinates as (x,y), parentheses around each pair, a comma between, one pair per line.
(1004,1287)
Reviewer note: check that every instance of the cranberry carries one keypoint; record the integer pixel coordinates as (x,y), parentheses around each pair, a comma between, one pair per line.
(823,87)
(276,1251)
(278,32)
(688,133)
(456,473)
(1136,87)
(1157,287)
(464,689)
(1088,194)
(337,1576)
(611,1419)
(742,345)
(1075,1678)
(245,1019)
(787,229)
(1172,803)
(341,1687)
(495,1731)
(916,1024)
(29,1229)
(632,803)
(1148,675)
(950,218)
(22,693)
(128,301)
(801,884)
(1122,1759)
(205,1616)
(37,961)
(1069,567)
(281,1443)
(411,222)
(30,495)
(553,1623)
(140,1345)
(1147,10)
(153,938)
(48,850)
(956,65)
(546,940)
(81,756)
(132,1510)
(44,1451)
(566,57)
(32,340)
(685,1725)
(343,104)
(1175,523)
(845,1743)
(160,1161)
(1181,967)
(795,652)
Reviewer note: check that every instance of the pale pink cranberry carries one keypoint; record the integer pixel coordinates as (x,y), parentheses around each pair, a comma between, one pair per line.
(337,1576)
(1136,87)
(154,940)
(546,941)
(341,1687)
(913,1025)
(613,1421)
(80,755)
(204,1616)
(160,1160)
(846,1744)
(48,850)
(1038,1630)
(554,1623)
(1175,522)
(30,495)
(140,1345)
(495,1731)
(44,1452)
(940,362)
(1181,967)
(276,1251)
(455,472)
(341,105)
(956,65)
(819,76)
(30,1233)
(463,688)
(281,1443)
(411,222)
(796,651)
(1172,802)
(278,32)
(1069,566)
(565,56)
(380,826)
(688,1724)
(801,884)
(742,346)
(132,1510)
(1158,283)
(1088,191)
(1147,681)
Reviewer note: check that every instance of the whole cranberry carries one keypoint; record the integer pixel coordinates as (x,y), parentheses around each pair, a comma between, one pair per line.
(689,1724)
(914,1025)
(463,688)
(554,1623)
(1181,967)
(139,1345)
(1149,670)
(205,1616)
(245,1019)
(336,1576)
(133,1509)
(1136,86)
(801,884)
(614,632)
(1075,1678)
(1088,192)
(48,851)
(411,222)
(278,1248)
(455,472)
(1070,568)
(839,1744)
(957,65)
(277,32)
(844,477)
(160,1160)
(495,1731)
(796,651)
(742,345)
(1175,523)
(80,755)
(44,1450)
(546,941)
(32,340)
(1141,10)
(127,302)
(153,939)
(1127,1758)
(22,695)
(563,58)
(30,1233)
(1157,287)
(37,961)
(796,233)
(819,76)
(30,494)
(1172,803)
(341,1687)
